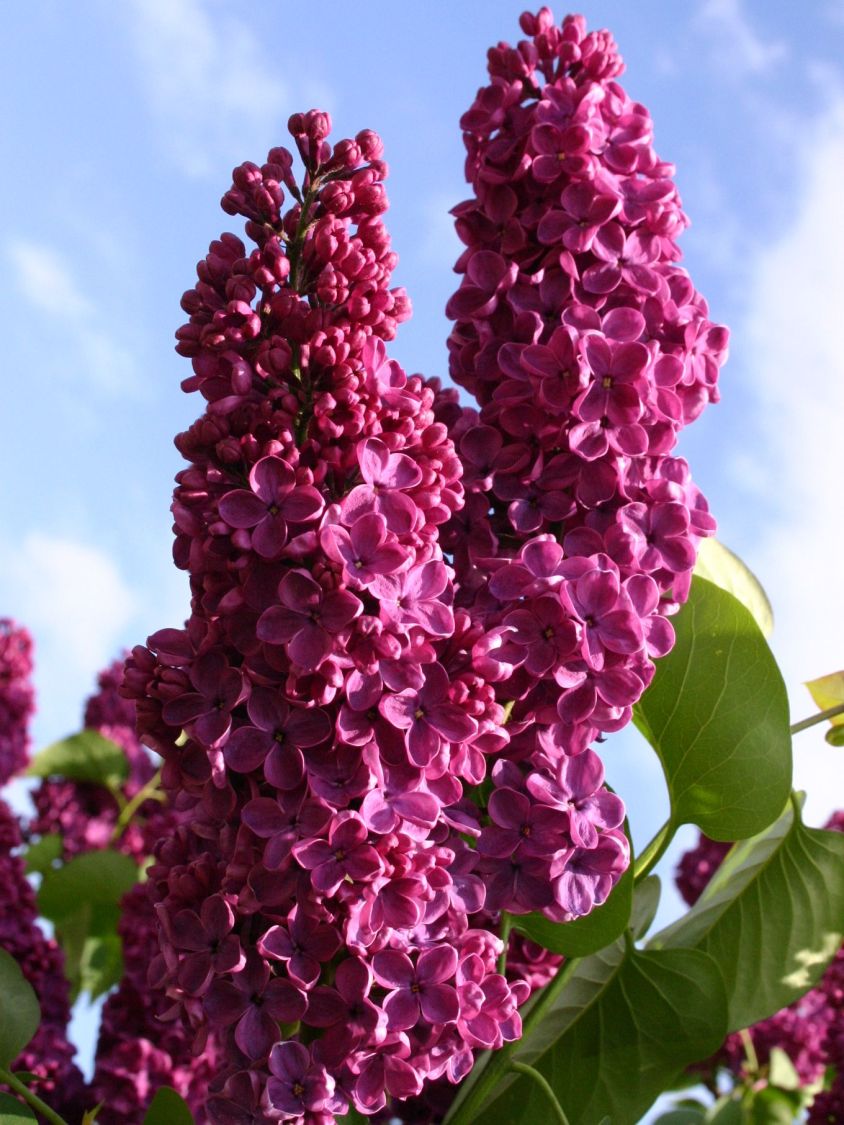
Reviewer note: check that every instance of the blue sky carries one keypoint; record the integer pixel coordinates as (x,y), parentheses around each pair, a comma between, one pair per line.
(125,122)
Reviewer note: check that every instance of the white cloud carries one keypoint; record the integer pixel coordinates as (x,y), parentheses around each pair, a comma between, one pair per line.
(213,92)
(74,600)
(737,47)
(46,282)
(795,365)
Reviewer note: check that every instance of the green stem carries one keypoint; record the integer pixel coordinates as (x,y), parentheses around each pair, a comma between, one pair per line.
(821,717)
(544,1085)
(466,1108)
(506,926)
(31,1099)
(653,852)
(146,793)
(749,1051)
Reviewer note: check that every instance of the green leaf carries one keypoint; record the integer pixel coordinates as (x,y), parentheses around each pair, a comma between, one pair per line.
(94,878)
(828,692)
(681,1117)
(86,756)
(774,1107)
(717,715)
(584,935)
(782,1071)
(717,563)
(168,1108)
(82,899)
(20,1013)
(40,856)
(772,917)
(13,1112)
(726,1111)
(626,1023)
(645,905)
(354,1118)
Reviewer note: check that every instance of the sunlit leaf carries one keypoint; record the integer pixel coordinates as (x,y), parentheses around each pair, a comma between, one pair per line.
(717,563)
(40,856)
(86,756)
(99,878)
(717,715)
(20,1013)
(828,692)
(772,917)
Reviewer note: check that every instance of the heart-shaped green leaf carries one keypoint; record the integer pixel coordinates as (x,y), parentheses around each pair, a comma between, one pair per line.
(717,563)
(772,917)
(86,756)
(20,1012)
(717,715)
(623,1027)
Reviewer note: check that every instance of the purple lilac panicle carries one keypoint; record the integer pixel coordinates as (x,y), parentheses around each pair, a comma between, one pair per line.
(326,696)
(17,697)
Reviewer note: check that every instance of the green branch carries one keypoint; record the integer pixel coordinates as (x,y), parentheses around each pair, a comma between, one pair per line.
(653,852)
(821,717)
(149,792)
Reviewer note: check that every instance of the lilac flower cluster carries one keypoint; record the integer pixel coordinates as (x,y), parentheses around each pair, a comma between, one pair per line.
(17,697)
(587,349)
(318,712)
(84,814)
(49,1055)
(810,1031)
(141,1047)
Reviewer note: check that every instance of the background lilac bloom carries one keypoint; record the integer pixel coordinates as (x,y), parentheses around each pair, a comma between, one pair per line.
(307,618)
(428,716)
(417,992)
(275,500)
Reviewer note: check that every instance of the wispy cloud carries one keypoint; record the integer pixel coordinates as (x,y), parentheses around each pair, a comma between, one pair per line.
(77,604)
(46,282)
(214,93)
(795,366)
(738,47)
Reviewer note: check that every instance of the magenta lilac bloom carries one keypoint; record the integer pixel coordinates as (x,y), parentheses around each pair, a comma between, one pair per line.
(17,697)
(49,1055)
(397,600)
